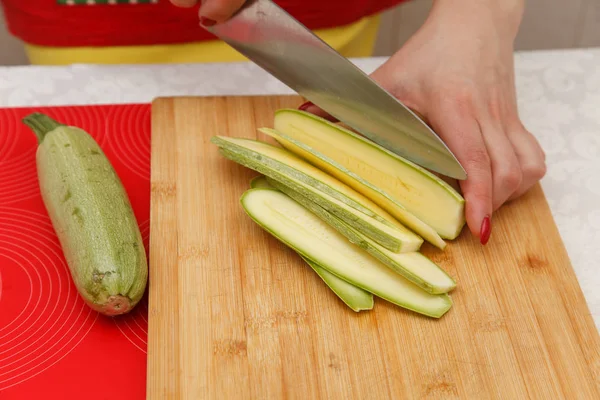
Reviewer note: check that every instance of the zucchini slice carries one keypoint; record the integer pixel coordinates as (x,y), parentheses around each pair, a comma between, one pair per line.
(414,266)
(386,178)
(339,172)
(307,234)
(354,297)
(284,166)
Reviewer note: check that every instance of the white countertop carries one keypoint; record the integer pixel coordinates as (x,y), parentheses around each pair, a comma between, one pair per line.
(559,101)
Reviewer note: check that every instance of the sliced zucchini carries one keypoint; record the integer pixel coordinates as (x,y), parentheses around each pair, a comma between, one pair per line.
(391,179)
(307,234)
(414,266)
(280,164)
(277,157)
(354,297)
(343,175)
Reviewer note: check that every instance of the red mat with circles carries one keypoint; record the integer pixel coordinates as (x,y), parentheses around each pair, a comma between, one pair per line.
(52,345)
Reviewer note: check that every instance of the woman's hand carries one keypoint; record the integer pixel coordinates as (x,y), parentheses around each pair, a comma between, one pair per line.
(457,72)
(213,11)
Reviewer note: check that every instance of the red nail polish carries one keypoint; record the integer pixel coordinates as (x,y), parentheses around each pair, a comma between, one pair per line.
(207,21)
(486,230)
(305,106)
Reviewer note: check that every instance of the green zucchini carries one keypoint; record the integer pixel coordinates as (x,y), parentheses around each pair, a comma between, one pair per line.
(282,165)
(386,178)
(92,216)
(307,234)
(414,266)
(354,297)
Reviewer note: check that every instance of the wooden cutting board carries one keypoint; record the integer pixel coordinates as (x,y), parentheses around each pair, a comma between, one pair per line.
(234,314)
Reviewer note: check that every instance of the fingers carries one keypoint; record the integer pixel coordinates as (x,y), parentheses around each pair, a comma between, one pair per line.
(184,3)
(219,10)
(531,156)
(461,132)
(506,169)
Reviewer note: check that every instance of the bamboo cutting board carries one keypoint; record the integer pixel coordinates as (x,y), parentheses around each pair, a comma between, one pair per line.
(234,314)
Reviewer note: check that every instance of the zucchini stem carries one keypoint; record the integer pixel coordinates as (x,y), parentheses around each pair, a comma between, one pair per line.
(41,124)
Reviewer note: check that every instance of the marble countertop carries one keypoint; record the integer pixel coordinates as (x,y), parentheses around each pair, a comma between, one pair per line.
(559,101)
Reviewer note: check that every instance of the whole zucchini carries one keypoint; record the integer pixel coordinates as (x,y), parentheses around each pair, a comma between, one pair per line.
(92,216)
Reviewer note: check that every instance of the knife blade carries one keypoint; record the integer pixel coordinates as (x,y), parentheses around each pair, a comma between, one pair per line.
(278,43)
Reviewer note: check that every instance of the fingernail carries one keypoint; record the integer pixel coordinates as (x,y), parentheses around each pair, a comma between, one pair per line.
(486,230)
(207,21)
(305,106)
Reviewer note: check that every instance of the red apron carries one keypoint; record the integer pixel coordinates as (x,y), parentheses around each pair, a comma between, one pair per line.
(67,23)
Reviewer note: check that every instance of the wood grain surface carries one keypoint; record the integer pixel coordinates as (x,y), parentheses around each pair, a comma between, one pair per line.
(234,314)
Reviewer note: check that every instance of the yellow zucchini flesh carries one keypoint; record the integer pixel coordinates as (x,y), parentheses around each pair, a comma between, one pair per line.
(92,216)
(383,174)
(337,171)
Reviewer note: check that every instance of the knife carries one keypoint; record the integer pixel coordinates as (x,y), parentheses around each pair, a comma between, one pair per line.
(278,43)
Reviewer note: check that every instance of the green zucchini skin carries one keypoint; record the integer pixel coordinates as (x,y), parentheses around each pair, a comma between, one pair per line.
(92,216)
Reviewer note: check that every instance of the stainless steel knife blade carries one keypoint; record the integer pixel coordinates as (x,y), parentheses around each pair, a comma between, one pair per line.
(274,40)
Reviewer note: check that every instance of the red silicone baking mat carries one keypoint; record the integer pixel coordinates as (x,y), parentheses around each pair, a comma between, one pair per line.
(52,345)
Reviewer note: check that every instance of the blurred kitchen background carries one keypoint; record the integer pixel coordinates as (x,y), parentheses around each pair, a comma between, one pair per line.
(547,24)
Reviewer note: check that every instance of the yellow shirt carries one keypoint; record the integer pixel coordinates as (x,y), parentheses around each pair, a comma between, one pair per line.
(354,40)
